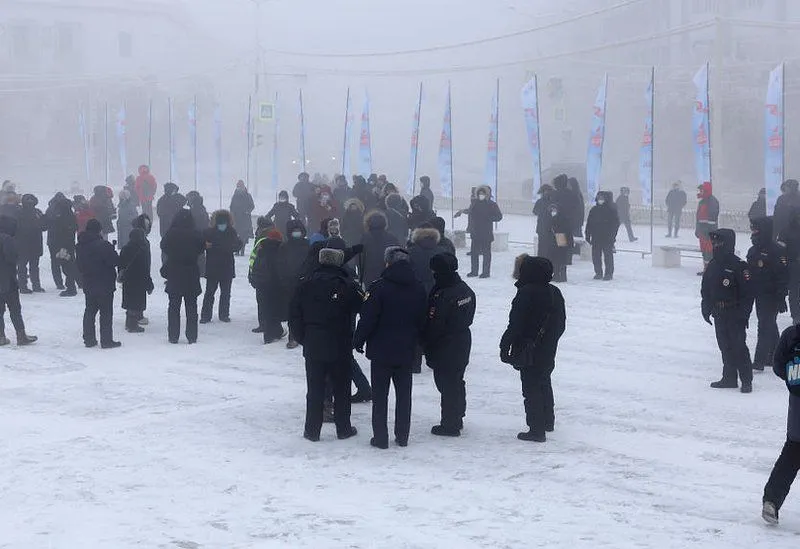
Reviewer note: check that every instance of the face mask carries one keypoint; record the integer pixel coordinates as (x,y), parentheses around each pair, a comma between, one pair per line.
(297,234)
(481,197)
(283,200)
(553,214)
(222,227)
(601,201)
(324,198)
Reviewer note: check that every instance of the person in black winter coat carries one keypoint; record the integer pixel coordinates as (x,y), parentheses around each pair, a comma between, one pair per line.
(483,214)
(727,294)
(353,221)
(601,233)
(137,283)
(391,324)
(787,203)
(342,191)
(31,223)
(544,234)
(181,246)
(126,213)
(365,192)
(293,254)
(282,211)
(97,263)
(375,241)
(676,202)
(9,206)
(62,226)
(448,340)
(103,210)
(568,204)
(444,243)
(322,316)
(624,211)
(536,323)
(560,242)
(305,195)
(266,278)
(194,200)
(786,366)
(421,212)
(241,209)
(580,206)
(769,268)
(424,245)
(425,189)
(758,209)
(222,242)
(9,289)
(396,217)
(168,207)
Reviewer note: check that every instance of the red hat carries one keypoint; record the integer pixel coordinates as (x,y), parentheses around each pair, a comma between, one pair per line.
(274,234)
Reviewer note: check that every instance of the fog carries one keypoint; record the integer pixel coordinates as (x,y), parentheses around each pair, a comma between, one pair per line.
(60,58)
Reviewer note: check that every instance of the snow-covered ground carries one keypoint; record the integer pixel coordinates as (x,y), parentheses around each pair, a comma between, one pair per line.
(155,445)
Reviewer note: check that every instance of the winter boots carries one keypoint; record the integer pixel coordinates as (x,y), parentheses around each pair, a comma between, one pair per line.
(530,436)
(24,339)
(132,323)
(442,431)
(725,384)
(769,512)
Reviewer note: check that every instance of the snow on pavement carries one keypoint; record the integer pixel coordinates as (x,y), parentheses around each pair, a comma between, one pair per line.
(163,446)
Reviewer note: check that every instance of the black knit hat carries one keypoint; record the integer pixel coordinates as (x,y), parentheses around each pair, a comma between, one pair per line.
(444,263)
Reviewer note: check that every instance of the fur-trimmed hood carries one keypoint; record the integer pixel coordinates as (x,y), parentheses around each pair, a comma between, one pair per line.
(423,234)
(354,202)
(375,220)
(221,215)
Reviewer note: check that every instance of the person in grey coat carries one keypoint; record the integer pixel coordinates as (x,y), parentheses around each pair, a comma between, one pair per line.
(126,213)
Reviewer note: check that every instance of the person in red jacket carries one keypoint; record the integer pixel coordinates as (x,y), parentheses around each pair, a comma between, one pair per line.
(707,218)
(83,212)
(146,188)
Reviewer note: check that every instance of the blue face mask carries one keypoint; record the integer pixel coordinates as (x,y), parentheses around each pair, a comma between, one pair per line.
(222,227)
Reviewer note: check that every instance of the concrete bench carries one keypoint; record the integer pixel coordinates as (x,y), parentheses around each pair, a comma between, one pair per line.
(669,257)
(500,243)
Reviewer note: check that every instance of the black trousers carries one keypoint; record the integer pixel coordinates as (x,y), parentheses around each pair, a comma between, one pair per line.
(23,272)
(103,304)
(174,317)
(768,335)
(267,321)
(449,379)
(481,249)
(731,329)
(383,375)
(339,372)
(10,300)
(673,222)
(537,390)
(360,380)
(783,474)
(224,286)
(601,253)
(69,269)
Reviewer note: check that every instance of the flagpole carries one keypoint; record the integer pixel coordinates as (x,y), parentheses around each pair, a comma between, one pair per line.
(452,181)
(783,121)
(344,138)
(108,160)
(416,145)
(249,139)
(538,132)
(171,148)
(497,146)
(194,110)
(150,133)
(652,149)
(302,133)
(708,106)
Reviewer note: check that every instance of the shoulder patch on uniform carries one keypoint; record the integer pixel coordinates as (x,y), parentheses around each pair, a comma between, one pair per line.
(781,244)
(746,274)
(784,260)
(465,301)
(726,282)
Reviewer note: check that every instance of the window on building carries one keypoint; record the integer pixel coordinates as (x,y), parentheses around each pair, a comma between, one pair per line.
(125,44)
(21,42)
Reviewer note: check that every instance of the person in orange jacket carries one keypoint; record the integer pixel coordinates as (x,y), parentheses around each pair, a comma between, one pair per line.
(146,188)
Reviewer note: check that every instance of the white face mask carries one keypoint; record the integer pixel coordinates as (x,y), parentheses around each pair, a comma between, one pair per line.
(481,197)
(601,201)
(553,214)
(283,200)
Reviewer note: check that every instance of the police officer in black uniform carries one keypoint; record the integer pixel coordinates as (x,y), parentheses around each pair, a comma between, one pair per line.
(769,266)
(727,295)
(321,319)
(448,340)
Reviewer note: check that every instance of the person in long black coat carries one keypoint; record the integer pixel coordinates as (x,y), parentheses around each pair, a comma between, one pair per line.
(624,211)
(102,206)
(62,226)
(601,233)
(353,221)
(396,217)
(423,246)
(568,204)
(560,242)
(126,213)
(194,200)
(375,241)
(97,263)
(391,324)
(293,254)
(181,246)
(304,194)
(241,209)
(9,289)
(544,234)
(580,206)
(483,214)
(786,205)
(425,189)
(282,212)
(222,242)
(168,207)
(676,202)
(536,323)
(448,340)
(421,212)
(31,224)
(444,243)
(137,283)
(265,277)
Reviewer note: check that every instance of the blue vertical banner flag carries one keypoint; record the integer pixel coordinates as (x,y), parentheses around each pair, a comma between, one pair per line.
(530,108)
(594,153)
(446,150)
(193,136)
(411,185)
(85,142)
(365,141)
(122,140)
(302,135)
(348,128)
(773,137)
(490,172)
(172,170)
(646,150)
(275,136)
(218,147)
(701,127)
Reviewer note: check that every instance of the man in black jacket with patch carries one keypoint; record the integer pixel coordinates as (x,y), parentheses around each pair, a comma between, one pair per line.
(97,262)
(727,295)
(321,320)
(769,267)
(391,325)
(448,340)
(31,225)
(9,289)
(222,242)
(536,323)
(62,226)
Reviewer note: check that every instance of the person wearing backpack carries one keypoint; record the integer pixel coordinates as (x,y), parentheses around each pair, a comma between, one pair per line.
(786,366)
